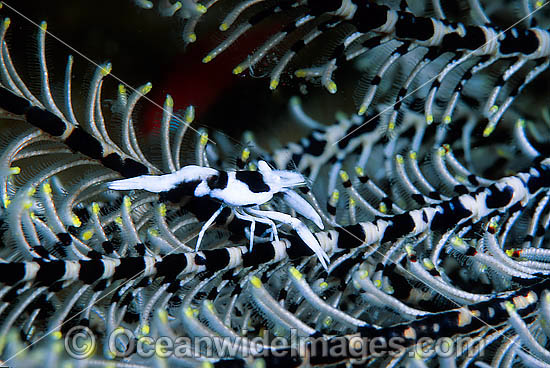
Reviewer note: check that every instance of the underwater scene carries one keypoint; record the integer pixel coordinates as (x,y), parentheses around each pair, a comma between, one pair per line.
(275,183)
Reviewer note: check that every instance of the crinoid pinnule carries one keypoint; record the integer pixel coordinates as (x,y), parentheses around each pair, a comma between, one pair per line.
(436,235)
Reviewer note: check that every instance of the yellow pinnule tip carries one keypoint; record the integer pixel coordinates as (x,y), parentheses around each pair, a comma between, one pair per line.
(162,209)
(273,84)
(351,202)
(189,114)
(520,123)
(27,205)
(429,119)
(209,305)
(493,109)
(201,8)
(118,220)
(208,58)
(31,191)
(300,73)
(57,335)
(327,321)
(15,170)
(428,264)
(189,312)
(43,25)
(153,232)
(538,4)
(378,283)
(399,159)
(32,215)
(245,154)
(441,151)
(7,22)
(207,364)
(47,188)
(331,87)
(391,126)
(359,170)
(87,235)
(146,88)
(510,307)
(382,207)
(447,119)
(413,155)
(224,27)
(335,195)
(488,131)
(76,220)
(323,285)
(95,208)
(192,37)
(456,240)
(509,252)
(295,273)
(256,282)
(364,275)
(344,175)
(238,70)
(362,109)
(6,200)
(204,139)
(106,69)
(163,315)
(121,89)
(145,329)
(127,202)
(169,102)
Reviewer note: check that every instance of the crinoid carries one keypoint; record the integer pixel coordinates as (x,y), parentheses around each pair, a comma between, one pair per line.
(413,233)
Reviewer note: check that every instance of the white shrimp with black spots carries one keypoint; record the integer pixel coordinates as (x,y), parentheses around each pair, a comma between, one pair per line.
(243,191)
